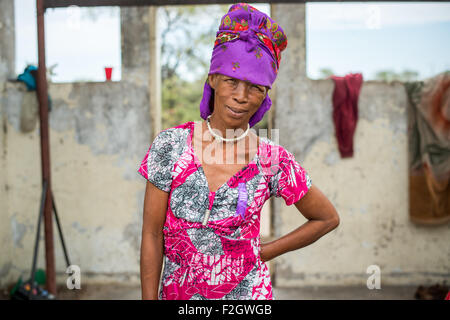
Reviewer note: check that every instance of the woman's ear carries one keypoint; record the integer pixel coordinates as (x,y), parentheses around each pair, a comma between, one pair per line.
(212,78)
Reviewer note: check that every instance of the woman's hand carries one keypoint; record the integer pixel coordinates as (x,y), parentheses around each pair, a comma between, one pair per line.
(322,218)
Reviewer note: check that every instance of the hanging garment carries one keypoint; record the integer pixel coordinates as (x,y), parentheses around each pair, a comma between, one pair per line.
(429,149)
(345,110)
(28,76)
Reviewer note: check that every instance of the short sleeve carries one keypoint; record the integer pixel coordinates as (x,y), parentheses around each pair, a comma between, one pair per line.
(158,162)
(291,181)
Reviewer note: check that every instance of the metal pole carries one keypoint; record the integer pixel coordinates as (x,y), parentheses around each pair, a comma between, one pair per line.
(45,150)
(38,234)
(61,237)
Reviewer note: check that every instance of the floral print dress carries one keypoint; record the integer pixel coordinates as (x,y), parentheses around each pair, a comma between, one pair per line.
(218,257)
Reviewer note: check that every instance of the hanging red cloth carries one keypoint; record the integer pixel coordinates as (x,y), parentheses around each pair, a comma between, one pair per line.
(345,110)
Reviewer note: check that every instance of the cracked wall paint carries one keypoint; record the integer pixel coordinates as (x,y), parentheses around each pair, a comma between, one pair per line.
(95,204)
(5,269)
(18,231)
(374,228)
(368,188)
(99,133)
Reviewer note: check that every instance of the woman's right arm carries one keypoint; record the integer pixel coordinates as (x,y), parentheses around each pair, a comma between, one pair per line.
(152,244)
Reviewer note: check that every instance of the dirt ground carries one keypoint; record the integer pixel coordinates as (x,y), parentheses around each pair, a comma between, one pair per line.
(120,291)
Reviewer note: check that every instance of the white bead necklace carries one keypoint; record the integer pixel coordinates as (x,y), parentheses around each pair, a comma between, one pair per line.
(242,136)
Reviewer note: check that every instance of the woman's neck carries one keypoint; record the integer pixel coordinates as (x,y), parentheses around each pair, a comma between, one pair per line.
(244,149)
(251,138)
(216,124)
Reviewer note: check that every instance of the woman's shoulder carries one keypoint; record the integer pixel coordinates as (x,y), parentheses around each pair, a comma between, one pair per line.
(179,128)
(175,134)
(272,147)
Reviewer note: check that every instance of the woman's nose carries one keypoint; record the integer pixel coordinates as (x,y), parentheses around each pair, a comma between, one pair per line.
(241,92)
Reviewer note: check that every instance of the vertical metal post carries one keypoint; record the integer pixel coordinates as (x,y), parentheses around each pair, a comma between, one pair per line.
(45,150)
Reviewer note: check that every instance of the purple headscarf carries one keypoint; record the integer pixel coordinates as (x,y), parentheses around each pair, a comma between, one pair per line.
(248,47)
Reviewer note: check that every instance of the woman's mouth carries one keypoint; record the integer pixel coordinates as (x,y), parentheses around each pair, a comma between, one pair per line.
(236,112)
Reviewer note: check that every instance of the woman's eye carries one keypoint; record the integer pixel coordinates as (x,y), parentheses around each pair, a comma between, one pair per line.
(259,88)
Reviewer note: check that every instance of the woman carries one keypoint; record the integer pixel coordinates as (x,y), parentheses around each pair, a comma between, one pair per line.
(201,210)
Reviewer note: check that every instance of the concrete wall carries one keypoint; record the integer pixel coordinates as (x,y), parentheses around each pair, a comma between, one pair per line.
(7,52)
(99,133)
(369,190)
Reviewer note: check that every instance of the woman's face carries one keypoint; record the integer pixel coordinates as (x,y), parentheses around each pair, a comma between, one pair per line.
(235,101)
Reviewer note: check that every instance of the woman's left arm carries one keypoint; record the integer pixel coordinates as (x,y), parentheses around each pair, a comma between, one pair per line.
(322,218)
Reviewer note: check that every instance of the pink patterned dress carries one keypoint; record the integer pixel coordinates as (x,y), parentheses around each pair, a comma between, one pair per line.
(218,257)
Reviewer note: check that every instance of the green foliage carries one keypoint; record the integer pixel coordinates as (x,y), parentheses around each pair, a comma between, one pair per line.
(180,101)
(326,72)
(187,37)
(185,46)
(390,75)
(382,75)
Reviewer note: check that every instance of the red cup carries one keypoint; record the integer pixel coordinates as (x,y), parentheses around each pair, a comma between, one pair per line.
(108,73)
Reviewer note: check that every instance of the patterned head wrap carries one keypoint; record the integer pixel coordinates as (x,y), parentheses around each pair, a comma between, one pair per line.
(248,47)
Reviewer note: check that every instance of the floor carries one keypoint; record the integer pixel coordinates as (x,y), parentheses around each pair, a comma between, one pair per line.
(128,292)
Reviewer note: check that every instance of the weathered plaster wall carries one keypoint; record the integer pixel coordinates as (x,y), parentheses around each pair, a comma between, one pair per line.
(99,133)
(7,51)
(369,190)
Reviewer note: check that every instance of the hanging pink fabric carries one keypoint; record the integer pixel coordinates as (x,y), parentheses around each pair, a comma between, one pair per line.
(345,110)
